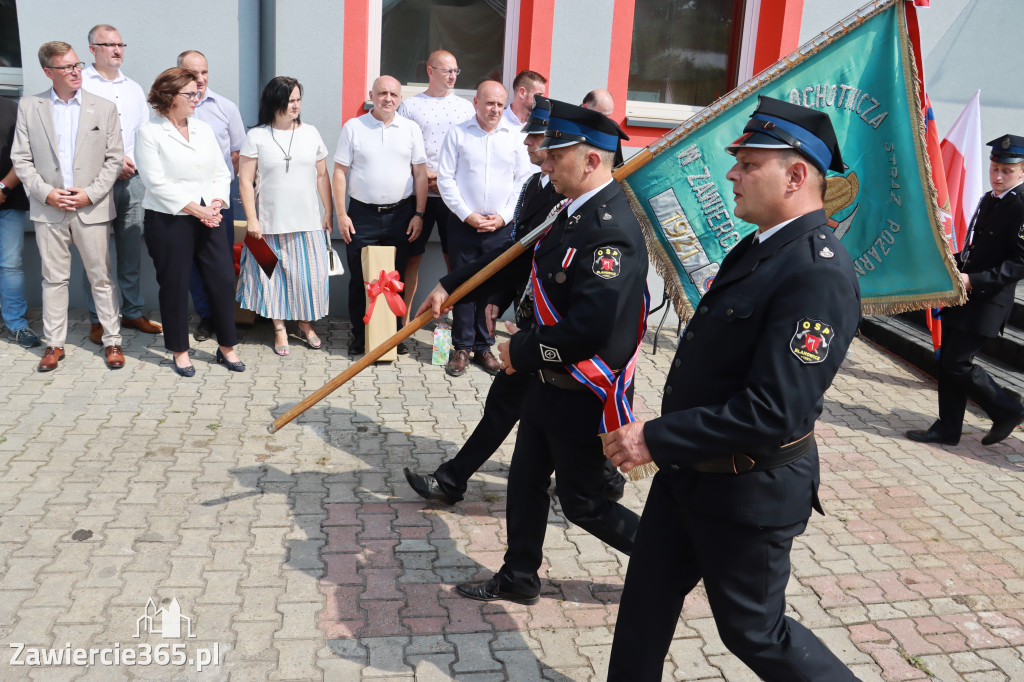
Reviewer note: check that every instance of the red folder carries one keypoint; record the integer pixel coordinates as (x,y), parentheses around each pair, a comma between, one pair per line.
(263,254)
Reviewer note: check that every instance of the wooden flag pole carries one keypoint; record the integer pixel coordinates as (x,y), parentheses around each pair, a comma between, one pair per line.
(408,330)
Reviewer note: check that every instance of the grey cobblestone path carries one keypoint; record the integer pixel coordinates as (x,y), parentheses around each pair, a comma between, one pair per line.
(304,555)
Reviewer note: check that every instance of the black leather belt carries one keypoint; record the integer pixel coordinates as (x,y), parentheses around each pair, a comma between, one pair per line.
(382,208)
(742,463)
(560,379)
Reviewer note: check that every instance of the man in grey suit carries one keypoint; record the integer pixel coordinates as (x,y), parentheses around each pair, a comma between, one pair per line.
(68,152)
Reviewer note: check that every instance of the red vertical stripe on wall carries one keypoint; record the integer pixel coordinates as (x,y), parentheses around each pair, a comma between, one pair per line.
(536,24)
(778,34)
(778,31)
(355,55)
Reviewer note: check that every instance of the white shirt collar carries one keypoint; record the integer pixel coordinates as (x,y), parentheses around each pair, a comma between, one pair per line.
(764,236)
(77,97)
(1000,196)
(584,198)
(92,72)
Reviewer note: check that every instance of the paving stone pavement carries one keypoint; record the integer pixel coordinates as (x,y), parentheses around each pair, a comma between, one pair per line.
(305,556)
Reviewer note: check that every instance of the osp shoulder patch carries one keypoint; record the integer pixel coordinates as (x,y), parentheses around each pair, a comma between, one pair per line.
(607,262)
(811,341)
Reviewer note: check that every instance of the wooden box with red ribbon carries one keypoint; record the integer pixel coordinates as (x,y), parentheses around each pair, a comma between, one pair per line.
(384,302)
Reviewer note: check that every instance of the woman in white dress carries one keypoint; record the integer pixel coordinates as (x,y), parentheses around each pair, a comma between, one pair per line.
(286,160)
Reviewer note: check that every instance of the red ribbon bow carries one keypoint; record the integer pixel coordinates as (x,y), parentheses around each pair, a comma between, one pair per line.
(391,286)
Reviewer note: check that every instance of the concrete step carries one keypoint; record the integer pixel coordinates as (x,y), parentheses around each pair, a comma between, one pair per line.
(911,341)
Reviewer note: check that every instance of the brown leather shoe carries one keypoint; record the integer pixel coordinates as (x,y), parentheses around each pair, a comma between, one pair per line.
(96,333)
(51,356)
(142,324)
(487,360)
(115,358)
(456,366)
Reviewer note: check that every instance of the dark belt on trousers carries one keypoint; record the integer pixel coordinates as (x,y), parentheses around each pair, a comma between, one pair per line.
(559,379)
(743,463)
(382,208)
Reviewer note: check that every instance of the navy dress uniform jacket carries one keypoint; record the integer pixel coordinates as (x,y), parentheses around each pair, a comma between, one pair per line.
(593,268)
(600,303)
(751,370)
(995,263)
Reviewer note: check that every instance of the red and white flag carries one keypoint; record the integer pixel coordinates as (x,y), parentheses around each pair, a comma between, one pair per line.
(963,158)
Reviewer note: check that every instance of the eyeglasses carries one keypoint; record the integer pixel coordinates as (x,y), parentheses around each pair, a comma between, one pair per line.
(68,68)
(194,95)
(454,72)
(120,45)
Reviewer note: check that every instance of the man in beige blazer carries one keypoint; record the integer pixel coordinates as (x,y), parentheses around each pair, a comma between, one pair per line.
(68,151)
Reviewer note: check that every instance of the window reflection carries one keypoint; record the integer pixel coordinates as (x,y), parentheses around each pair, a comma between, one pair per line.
(684,51)
(472,30)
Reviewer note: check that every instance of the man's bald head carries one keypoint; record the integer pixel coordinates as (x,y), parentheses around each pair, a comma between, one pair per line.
(441,73)
(385,83)
(489,104)
(599,100)
(386,95)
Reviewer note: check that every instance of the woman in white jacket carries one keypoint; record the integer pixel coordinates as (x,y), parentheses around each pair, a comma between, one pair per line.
(187,185)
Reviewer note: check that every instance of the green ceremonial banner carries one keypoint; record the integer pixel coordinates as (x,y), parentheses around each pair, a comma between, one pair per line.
(862,73)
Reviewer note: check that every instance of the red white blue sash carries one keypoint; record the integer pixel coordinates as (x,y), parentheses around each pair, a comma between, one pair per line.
(594,373)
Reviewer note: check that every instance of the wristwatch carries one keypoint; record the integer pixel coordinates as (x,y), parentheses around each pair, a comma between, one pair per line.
(415,213)
(4,188)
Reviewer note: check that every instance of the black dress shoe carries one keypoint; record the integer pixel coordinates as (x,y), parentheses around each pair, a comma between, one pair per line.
(401,348)
(490,590)
(931,436)
(204,330)
(356,347)
(1002,428)
(427,487)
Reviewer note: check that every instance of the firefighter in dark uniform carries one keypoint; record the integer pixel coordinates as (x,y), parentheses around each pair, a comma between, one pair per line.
(588,284)
(738,465)
(991,264)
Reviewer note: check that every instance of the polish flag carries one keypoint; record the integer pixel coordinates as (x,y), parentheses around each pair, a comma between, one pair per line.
(962,158)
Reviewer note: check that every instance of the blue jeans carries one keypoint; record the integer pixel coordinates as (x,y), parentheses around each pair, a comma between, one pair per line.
(127,196)
(12,277)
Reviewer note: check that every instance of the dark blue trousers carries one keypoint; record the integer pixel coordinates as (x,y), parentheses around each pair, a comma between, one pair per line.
(469,322)
(745,571)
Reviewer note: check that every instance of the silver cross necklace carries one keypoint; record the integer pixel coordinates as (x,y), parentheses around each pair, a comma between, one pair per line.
(287,154)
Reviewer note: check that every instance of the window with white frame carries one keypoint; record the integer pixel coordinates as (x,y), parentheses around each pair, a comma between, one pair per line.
(685,54)
(10,50)
(480,33)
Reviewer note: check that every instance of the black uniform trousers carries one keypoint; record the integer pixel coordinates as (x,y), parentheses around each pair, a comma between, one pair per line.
(174,243)
(961,380)
(676,547)
(501,412)
(558,433)
(374,229)
(469,321)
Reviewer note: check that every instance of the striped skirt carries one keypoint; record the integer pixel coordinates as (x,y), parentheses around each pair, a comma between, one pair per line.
(299,289)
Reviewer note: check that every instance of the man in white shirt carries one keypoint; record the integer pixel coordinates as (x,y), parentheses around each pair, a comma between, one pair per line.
(104,78)
(67,151)
(222,115)
(381,162)
(481,170)
(527,85)
(434,110)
